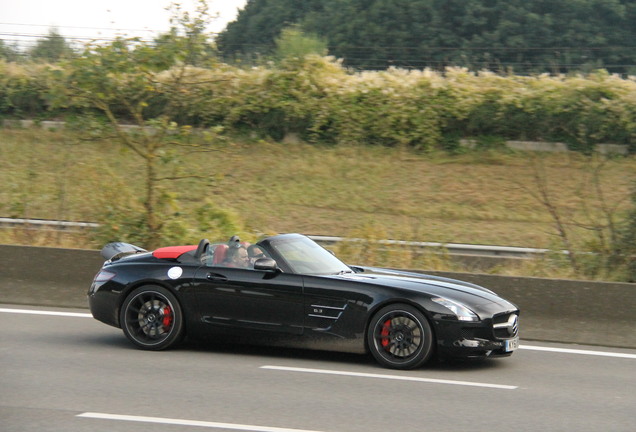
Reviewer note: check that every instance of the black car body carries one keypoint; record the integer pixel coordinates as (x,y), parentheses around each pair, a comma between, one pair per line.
(294,292)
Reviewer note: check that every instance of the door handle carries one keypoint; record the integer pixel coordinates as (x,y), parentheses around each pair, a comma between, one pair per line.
(216,277)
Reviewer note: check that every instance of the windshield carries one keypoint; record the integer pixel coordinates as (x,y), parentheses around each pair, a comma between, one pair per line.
(307,257)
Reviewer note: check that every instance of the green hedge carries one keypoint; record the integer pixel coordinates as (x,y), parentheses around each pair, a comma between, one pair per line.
(321,101)
(23,90)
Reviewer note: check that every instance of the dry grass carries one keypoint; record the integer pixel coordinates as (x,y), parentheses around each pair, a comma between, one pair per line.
(481,198)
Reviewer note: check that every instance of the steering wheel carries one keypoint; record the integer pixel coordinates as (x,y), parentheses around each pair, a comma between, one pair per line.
(201,248)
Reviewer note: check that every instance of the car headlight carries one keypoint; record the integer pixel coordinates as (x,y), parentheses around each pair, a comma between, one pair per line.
(461,312)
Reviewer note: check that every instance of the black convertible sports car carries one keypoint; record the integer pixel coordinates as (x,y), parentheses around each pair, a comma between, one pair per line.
(288,290)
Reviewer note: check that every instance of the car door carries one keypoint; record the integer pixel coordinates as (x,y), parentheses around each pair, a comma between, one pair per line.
(250,299)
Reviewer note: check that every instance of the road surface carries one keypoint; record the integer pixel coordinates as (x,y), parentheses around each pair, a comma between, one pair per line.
(63,371)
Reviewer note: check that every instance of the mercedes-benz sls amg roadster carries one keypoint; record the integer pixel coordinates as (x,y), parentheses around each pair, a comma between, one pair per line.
(287,290)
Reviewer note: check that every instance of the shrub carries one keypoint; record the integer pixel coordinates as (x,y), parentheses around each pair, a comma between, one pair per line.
(317,99)
(22,90)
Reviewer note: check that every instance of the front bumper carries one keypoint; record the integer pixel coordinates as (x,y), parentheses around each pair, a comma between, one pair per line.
(485,338)
(473,348)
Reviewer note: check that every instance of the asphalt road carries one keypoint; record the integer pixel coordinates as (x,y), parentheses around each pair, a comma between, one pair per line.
(71,373)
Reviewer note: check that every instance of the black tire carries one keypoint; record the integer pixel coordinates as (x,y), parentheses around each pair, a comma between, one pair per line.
(151,318)
(400,337)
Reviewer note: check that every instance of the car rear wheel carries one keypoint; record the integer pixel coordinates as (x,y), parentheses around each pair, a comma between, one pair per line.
(400,337)
(151,318)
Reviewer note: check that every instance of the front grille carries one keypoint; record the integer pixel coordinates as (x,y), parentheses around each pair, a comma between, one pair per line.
(467,333)
(506,326)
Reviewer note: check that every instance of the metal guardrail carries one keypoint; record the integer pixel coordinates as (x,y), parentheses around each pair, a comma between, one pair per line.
(451,248)
(45,224)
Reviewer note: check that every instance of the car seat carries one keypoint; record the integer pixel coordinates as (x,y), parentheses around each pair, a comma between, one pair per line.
(220,251)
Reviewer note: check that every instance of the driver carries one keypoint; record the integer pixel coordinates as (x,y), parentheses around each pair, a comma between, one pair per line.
(237,256)
(255,252)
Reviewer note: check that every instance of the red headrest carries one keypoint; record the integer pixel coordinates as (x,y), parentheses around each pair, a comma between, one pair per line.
(219,253)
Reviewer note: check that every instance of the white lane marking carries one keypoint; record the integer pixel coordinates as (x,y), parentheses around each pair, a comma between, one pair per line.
(390,377)
(40,312)
(578,351)
(182,422)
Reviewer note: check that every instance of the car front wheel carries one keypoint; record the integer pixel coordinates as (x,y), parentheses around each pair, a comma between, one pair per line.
(151,318)
(400,337)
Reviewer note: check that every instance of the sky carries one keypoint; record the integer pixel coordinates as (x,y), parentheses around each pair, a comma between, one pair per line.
(27,20)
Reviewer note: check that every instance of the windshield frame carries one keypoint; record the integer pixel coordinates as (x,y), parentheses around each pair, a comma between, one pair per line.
(302,255)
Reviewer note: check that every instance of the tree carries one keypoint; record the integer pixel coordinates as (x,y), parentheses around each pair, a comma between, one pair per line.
(186,38)
(52,48)
(293,43)
(624,251)
(150,86)
(9,53)
(607,250)
(254,32)
(526,37)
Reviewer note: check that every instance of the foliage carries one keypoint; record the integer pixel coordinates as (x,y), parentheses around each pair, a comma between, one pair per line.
(579,110)
(368,245)
(624,248)
(51,49)
(9,53)
(187,41)
(254,33)
(502,35)
(117,222)
(319,100)
(272,187)
(122,80)
(24,90)
(604,253)
(293,43)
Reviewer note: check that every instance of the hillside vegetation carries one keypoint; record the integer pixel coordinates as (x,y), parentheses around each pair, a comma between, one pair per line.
(502,35)
(260,186)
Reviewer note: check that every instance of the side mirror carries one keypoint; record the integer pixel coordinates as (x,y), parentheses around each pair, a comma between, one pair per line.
(266,264)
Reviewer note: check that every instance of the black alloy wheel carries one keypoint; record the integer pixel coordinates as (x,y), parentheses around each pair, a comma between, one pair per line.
(400,337)
(151,318)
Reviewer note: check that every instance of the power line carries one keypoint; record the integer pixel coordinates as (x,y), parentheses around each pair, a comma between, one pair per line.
(407,57)
(446,48)
(348,48)
(46,36)
(77,27)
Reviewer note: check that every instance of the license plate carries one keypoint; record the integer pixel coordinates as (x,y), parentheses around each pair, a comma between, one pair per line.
(511,344)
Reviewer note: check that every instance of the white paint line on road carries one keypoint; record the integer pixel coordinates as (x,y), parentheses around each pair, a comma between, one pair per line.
(181,422)
(389,377)
(578,351)
(52,313)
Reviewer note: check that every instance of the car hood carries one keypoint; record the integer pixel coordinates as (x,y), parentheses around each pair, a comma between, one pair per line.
(433,285)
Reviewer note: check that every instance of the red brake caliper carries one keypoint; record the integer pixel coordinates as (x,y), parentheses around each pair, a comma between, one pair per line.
(385,333)
(167,316)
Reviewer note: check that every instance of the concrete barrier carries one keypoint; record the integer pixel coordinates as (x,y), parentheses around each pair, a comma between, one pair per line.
(594,313)
(47,276)
(555,147)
